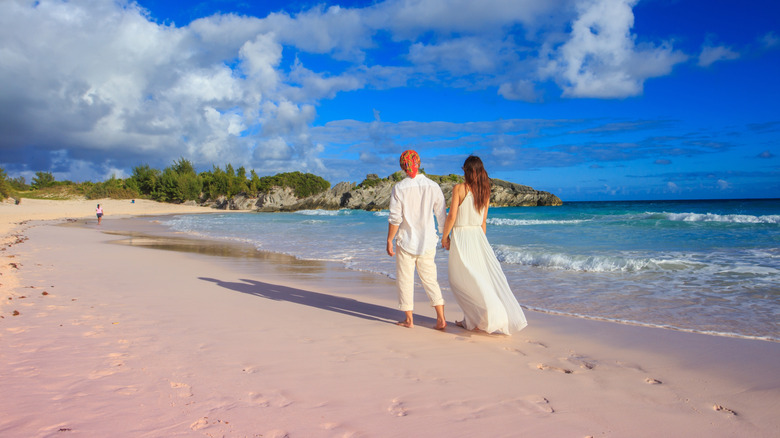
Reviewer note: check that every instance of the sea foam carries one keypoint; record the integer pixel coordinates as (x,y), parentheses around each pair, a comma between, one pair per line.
(729,218)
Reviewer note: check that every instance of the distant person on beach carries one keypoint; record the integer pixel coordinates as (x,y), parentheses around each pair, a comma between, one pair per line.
(414,203)
(99,211)
(475,275)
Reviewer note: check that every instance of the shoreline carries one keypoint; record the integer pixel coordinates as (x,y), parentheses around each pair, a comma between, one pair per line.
(157,237)
(135,341)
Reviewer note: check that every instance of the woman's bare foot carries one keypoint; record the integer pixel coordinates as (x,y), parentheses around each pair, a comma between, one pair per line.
(460,324)
(408,321)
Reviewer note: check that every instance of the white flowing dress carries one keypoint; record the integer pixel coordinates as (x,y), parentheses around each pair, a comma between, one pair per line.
(476,278)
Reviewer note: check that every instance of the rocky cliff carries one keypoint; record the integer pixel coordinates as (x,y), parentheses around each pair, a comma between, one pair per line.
(376,196)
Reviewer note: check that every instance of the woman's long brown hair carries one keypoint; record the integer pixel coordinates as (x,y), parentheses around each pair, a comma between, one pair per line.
(477,180)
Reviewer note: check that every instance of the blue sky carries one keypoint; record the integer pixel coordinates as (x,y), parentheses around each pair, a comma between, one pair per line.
(588,99)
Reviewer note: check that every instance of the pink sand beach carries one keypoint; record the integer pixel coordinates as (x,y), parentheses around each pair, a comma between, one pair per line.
(125,329)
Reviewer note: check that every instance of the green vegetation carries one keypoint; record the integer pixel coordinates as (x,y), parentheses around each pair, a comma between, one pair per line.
(113,188)
(303,184)
(176,183)
(42,180)
(372,180)
(5,185)
(179,182)
(446,178)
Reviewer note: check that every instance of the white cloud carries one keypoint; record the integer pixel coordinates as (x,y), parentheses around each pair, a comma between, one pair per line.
(98,75)
(459,56)
(770,40)
(723,184)
(409,19)
(712,54)
(259,61)
(316,86)
(87,76)
(600,58)
(339,31)
(518,90)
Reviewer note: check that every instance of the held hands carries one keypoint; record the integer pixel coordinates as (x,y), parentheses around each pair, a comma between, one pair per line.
(445,242)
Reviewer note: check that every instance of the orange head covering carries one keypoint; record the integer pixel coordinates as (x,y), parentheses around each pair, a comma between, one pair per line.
(410,163)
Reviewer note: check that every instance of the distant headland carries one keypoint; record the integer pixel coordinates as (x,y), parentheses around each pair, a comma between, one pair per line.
(235,189)
(374,194)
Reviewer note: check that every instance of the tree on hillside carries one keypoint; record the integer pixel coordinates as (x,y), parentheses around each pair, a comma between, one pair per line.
(240,182)
(5,187)
(254,182)
(19,184)
(144,179)
(183,167)
(42,180)
(216,183)
(178,183)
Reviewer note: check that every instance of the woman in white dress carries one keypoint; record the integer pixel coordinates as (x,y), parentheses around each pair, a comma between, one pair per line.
(475,275)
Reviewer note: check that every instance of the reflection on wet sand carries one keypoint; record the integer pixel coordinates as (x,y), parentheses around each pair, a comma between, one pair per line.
(148,232)
(220,249)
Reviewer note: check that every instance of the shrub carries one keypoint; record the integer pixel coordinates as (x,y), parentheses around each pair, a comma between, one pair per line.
(178,183)
(5,186)
(113,188)
(42,180)
(303,184)
(372,180)
(144,180)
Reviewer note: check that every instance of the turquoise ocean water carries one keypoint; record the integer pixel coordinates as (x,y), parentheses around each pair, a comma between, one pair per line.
(702,266)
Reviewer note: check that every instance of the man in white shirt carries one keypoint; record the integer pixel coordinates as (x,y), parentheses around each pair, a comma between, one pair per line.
(413,205)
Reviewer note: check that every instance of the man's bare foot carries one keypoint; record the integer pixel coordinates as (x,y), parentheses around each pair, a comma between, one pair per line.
(440,325)
(407,324)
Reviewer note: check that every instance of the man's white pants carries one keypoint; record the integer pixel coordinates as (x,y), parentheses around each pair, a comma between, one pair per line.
(426,270)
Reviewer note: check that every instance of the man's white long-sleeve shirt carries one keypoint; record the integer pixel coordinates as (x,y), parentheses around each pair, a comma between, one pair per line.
(413,205)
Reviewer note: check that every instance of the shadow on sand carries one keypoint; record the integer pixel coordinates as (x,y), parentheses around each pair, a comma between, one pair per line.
(345,306)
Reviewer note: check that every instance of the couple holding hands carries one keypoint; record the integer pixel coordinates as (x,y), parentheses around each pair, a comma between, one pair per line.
(476,279)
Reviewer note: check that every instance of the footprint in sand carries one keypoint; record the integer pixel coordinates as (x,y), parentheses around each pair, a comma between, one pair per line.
(338,430)
(117,359)
(631,366)
(651,381)
(546,367)
(539,402)
(537,343)
(126,390)
(184,389)
(581,361)
(515,350)
(200,423)
(531,405)
(258,399)
(397,408)
(719,408)
(276,399)
(276,433)
(97,374)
